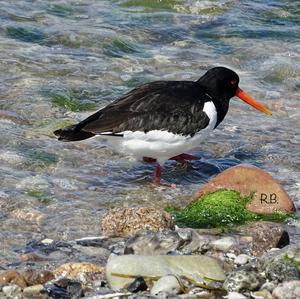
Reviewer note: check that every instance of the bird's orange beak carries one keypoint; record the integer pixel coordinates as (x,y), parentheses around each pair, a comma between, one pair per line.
(249,100)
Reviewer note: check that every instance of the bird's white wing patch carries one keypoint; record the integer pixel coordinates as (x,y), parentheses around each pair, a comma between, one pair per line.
(210,110)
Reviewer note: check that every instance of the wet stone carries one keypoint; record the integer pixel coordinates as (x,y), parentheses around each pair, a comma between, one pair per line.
(12,277)
(151,243)
(242,280)
(124,221)
(33,276)
(169,284)
(265,235)
(83,272)
(33,291)
(12,291)
(269,197)
(235,295)
(287,290)
(138,285)
(280,270)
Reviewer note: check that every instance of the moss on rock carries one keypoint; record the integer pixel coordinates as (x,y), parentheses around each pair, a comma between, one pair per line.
(221,208)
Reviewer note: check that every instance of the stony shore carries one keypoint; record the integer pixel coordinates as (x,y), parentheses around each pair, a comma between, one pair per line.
(143,253)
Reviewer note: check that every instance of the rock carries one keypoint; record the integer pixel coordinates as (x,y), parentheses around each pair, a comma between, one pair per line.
(235,295)
(157,266)
(72,287)
(265,235)
(82,272)
(242,259)
(12,277)
(263,294)
(195,243)
(124,221)
(12,291)
(287,290)
(269,286)
(280,270)
(242,280)
(138,285)
(33,291)
(150,243)
(168,284)
(269,195)
(224,244)
(33,276)
(31,256)
(28,214)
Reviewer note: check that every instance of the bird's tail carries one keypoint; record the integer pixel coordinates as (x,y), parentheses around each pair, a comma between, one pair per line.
(72,133)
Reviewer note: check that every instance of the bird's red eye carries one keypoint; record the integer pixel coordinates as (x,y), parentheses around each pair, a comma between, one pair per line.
(233,82)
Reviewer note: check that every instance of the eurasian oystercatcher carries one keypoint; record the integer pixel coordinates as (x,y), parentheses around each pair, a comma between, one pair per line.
(161,120)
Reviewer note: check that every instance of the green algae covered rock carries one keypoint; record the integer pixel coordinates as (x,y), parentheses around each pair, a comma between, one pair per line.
(220,209)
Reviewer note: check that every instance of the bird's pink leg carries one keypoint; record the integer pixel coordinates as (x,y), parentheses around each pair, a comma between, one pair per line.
(157,175)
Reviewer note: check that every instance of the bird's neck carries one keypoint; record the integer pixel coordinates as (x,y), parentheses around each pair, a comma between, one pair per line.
(222,106)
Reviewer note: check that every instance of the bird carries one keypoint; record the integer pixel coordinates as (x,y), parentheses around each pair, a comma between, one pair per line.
(162,120)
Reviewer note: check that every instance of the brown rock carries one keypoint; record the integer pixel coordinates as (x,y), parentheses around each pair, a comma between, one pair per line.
(12,277)
(263,236)
(125,221)
(269,196)
(31,256)
(33,277)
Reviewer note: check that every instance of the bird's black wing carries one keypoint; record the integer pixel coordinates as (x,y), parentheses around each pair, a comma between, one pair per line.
(174,106)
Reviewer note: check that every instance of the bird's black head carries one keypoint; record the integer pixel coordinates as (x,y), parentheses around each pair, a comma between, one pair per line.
(221,82)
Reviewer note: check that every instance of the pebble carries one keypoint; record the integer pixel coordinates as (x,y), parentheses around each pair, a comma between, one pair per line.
(262,294)
(168,284)
(224,244)
(139,284)
(280,270)
(12,277)
(241,280)
(150,243)
(83,272)
(242,259)
(287,290)
(122,221)
(33,291)
(12,291)
(235,295)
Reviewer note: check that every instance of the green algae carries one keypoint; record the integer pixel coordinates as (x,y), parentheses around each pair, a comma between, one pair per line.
(39,159)
(223,208)
(25,34)
(41,196)
(120,47)
(61,10)
(150,5)
(73,100)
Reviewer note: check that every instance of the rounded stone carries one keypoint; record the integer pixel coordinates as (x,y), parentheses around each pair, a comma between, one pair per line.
(122,221)
(167,284)
(241,280)
(269,196)
(287,290)
(242,259)
(12,291)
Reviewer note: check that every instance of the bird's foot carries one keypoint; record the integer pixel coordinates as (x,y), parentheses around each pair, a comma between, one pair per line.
(157,179)
(149,160)
(184,160)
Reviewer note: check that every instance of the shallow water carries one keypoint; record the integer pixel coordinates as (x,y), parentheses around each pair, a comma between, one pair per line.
(61,60)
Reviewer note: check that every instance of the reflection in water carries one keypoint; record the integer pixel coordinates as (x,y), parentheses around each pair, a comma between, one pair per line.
(62,60)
